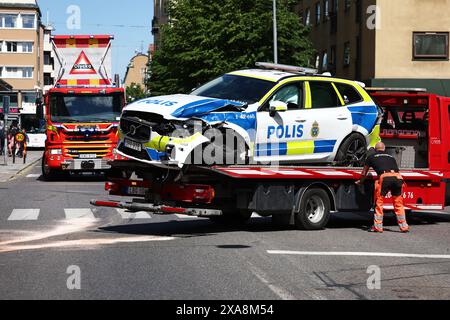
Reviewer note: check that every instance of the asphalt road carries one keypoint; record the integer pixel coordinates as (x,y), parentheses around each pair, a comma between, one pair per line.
(49,233)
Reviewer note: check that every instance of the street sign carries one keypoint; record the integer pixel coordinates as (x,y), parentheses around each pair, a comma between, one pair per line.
(6,103)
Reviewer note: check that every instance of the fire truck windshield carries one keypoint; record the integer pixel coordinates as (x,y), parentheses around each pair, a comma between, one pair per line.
(73,108)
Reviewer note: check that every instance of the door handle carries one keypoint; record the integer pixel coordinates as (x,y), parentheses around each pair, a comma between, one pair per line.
(342,117)
(300,120)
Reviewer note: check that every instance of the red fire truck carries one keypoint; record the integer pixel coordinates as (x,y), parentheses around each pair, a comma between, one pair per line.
(83,109)
(414,128)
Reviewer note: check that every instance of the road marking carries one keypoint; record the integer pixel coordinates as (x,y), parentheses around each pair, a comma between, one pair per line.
(33,175)
(84,244)
(24,215)
(85,214)
(126,215)
(282,293)
(360,254)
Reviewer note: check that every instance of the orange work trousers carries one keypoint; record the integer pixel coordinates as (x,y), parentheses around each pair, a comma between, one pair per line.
(390,182)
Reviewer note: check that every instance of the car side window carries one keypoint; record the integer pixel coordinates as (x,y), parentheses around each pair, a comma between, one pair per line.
(323,95)
(291,94)
(348,93)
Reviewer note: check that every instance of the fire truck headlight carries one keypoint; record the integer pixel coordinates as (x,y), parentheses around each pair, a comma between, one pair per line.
(56,152)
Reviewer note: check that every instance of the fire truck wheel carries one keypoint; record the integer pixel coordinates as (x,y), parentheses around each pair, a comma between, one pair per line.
(314,212)
(352,151)
(47,173)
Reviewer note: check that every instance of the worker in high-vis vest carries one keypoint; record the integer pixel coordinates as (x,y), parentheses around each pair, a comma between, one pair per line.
(389,180)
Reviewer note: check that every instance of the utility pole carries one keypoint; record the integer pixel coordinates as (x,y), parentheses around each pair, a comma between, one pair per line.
(275,33)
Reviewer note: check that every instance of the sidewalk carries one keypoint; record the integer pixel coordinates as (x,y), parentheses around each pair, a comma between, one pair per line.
(9,171)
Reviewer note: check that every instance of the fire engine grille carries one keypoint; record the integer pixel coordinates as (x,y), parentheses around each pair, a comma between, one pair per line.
(87,151)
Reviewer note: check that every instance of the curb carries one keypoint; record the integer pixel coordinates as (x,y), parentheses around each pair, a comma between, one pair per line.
(24,169)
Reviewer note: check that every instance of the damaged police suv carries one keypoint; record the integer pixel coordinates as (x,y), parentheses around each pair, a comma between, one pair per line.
(272,114)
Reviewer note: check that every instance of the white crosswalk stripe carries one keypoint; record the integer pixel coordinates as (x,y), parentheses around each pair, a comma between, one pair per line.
(24,215)
(126,215)
(72,214)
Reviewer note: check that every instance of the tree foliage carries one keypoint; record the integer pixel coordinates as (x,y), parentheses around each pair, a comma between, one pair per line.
(207,38)
(135,92)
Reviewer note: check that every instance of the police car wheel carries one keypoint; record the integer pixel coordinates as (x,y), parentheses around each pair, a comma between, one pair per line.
(352,151)
(314,212)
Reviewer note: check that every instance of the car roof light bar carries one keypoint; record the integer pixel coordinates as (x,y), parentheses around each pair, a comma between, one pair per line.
(287,68)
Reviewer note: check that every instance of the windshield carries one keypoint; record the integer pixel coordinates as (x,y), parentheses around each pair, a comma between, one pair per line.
(85,108)
(236,88)
(32,124)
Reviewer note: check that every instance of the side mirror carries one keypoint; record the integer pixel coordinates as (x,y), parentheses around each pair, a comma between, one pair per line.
(277,106)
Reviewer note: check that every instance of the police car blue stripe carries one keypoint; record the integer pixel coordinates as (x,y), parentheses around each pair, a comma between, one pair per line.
(324,146)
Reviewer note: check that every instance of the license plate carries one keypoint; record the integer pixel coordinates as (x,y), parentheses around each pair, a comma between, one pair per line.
(133,145)
(137,191)
(88,156)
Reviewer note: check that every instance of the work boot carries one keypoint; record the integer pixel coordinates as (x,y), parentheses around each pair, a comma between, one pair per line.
(374,230)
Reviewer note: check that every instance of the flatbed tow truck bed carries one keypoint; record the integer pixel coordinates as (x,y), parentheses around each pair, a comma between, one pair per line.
(414,127)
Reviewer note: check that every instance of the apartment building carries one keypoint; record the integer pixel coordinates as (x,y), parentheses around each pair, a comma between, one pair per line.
(137,71)
(401,43)
(161,16)
(25,54)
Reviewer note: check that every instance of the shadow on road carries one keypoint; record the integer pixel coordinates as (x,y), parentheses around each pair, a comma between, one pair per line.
(198,228)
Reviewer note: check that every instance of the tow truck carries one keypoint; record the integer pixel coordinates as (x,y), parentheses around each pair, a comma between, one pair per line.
(414,127)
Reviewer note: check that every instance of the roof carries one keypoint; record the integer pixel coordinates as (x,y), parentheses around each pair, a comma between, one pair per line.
(264,74)
(19,4)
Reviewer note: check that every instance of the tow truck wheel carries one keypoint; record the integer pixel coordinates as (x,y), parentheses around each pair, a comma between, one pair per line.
(314,211)
(352,151)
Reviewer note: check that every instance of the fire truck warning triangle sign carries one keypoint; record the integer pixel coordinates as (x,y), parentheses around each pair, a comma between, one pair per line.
(83,65)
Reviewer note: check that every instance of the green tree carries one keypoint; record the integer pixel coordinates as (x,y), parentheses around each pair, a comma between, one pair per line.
(207,38)
(135,92)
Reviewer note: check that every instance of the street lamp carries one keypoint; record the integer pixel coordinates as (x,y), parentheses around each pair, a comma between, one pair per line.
(275,33)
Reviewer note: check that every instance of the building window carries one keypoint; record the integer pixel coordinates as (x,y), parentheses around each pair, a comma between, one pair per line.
(326,10)
(27,47)
(17,72)
(318,13)
(11,46)
(28,21)
(431,45)
(325,61)
(332,59)
(48,61)
(8,20)
(346,54)
(308,17)
(347,5)
(358,11)
(48,80)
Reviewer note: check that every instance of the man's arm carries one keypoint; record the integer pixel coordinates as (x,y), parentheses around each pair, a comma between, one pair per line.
(363,175)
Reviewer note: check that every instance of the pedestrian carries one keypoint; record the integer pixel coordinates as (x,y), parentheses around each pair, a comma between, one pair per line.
(13,130)
(389,180)
(2,136)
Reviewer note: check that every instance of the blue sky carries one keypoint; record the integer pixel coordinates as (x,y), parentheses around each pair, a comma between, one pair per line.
(129,21)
